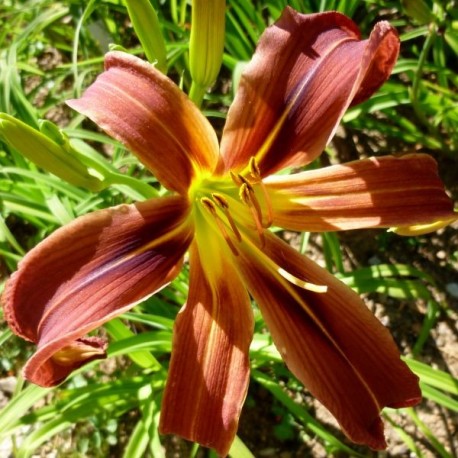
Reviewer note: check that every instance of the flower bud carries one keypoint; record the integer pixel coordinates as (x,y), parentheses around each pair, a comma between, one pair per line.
(418,10)
(146,25)
(48,149)
(207,44)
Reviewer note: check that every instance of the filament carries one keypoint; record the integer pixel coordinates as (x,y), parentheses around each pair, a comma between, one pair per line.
(210,206)
(224,205)
(256,174)
(248,197)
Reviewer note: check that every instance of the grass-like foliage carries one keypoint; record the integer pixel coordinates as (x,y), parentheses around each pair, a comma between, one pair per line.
(50,51)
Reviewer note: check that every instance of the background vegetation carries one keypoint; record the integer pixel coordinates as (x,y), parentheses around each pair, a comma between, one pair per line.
(49,52)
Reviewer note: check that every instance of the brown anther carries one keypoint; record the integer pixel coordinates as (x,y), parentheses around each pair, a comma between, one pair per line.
(254,169)
(220,200)
(244,194)
(256,174)
(248,197)
(224,205)
(235,178)
(245,181)
(210,206)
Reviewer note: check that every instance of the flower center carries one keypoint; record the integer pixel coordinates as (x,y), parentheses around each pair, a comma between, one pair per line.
(237,204)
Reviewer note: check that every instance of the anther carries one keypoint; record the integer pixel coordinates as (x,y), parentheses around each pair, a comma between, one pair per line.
(220,200)
(224,205)
(248,197)
(235,178)
(243,180)
(256,174)
(254,169)
(244,194)
(210,206)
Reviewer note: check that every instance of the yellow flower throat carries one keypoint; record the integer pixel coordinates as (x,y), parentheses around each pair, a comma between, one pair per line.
(237,204)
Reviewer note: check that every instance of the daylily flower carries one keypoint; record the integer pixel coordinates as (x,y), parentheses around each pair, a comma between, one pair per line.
(305,73)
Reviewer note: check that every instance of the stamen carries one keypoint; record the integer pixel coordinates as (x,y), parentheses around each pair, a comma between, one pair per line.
(254,169)
(301,283)
(220,200)
(248,197)
(268,203)
(244,180)
(235,178)
(256,173)
(210,206)
(75,353)
(224,205)
(244,194)
(256,205)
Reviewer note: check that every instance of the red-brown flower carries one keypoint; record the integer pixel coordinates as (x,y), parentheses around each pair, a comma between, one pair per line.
(307,70)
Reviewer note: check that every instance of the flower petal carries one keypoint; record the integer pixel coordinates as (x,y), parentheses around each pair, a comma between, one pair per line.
(330,341)
(145,110)
(209,370)
(377,192)
(88,272)
(306,71)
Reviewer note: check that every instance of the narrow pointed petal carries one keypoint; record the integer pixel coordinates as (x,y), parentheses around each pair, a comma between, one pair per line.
(88,272)
(209,370)
(330,340)
(377,192)
(305,73)
(147,112)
